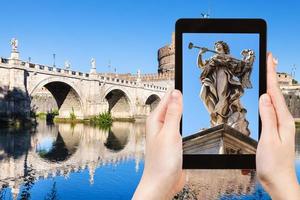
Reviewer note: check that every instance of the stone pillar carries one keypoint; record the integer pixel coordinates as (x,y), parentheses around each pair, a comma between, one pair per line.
(17,99)
(14,58)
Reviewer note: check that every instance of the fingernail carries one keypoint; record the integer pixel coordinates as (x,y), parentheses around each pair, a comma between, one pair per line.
(275,61)
(175,95)
(266,100)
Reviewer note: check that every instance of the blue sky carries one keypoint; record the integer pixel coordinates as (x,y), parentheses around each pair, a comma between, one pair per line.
(195,115)
(128,33)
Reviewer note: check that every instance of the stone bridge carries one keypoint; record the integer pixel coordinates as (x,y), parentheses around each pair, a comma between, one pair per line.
(85,94)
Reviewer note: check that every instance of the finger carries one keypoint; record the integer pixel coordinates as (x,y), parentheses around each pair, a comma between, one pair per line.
(282,113)
(174,112)
(268,119)
(156,119)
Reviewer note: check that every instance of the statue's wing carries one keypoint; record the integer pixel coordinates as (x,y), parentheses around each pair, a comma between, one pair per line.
(245,77)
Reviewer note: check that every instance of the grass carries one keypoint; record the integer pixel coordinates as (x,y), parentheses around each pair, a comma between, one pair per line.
(124,119)
(103,120)
(72,115)
(68,120)
(41,115)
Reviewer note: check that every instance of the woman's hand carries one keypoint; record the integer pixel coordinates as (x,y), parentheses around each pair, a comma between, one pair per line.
(275,157)
(163,176)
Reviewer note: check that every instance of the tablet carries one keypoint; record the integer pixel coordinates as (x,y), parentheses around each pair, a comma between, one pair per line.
(220,68)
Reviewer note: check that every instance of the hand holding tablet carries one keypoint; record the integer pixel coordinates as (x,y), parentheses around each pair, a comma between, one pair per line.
(163,176)
(221,71)
(275,158)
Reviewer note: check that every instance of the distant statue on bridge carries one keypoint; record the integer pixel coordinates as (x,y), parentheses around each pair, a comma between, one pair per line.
(224,79)
(14,44)
(93,63)
(139,73)
(67,64)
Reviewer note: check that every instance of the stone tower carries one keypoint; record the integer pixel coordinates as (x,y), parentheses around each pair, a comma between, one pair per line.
(166,57)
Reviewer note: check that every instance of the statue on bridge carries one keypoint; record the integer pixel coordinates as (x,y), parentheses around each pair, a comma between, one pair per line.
(67,64)
(224,79)
(14,44)
(93,63)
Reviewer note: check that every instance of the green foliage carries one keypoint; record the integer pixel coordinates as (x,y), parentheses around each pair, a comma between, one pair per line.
(72,115)
(103,120)
(41,115)
(42,153)
(55,112)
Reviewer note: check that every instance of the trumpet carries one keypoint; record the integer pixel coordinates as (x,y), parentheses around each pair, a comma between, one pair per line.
(191,45)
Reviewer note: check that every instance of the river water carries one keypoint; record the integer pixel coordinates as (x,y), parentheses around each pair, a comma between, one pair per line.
(65,161)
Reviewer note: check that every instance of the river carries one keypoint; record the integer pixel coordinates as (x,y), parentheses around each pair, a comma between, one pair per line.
(65,161)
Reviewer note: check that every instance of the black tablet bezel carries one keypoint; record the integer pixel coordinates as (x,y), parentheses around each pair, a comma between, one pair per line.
(205,161)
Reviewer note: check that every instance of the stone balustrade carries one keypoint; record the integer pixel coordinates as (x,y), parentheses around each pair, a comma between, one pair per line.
(127,79)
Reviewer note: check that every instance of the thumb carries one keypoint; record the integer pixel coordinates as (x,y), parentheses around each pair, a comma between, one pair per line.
(268,118)
(173,113)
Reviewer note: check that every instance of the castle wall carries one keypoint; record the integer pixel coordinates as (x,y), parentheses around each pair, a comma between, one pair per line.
(292,98)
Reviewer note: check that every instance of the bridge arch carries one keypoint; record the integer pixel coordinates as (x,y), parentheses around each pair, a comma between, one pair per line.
(119,102)
(152,101)
(67,96)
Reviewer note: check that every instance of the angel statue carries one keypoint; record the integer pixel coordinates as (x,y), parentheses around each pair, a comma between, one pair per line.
(67,64)
(14,44)
(223,80)
(93,63)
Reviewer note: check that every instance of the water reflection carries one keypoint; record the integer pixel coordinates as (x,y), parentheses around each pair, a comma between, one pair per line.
(51,154)
(60,149)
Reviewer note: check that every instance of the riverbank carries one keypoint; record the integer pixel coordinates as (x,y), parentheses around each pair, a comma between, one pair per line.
(89,120)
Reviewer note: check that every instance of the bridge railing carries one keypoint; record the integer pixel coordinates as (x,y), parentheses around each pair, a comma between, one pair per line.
(130,82)
(111,78)
(53,69)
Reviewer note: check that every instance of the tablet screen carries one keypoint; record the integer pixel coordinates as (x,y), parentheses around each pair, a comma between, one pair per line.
(220,85)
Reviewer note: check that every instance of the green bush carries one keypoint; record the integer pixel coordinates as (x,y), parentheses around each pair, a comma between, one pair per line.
(103,120)
(72,115)
(41,115)
(55,112)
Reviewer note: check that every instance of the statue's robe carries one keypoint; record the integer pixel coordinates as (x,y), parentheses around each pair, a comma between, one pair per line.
(221,92)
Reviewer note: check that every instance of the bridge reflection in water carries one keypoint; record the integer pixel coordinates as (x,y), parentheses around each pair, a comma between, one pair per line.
(28,161)
(61,149)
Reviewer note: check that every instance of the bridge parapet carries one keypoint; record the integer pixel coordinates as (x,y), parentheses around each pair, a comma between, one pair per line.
(120,79)
(44,68)
(129,82)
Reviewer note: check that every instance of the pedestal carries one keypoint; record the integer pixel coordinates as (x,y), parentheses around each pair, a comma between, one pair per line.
(93,71)
(14,55)
(14,58)
(221,139)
